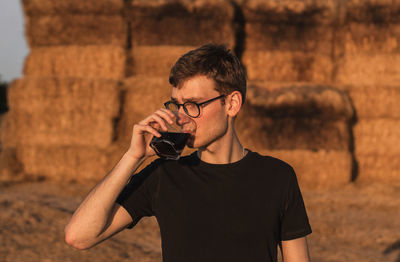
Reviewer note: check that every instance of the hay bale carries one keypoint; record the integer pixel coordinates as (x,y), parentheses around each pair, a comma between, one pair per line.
(76,61)
(143,96)
(76,30)
(290,12)
(377,136)
(317,169)
(261,35)
(373,11)
(55,7)
(289,40)
(378,168)
(10,167)
(296,117)
(364,69)
(300,100)
(286,66)
(8,138)
(156,60)
(375,101)
(372,38)
(256,128)
(187,23)
(62,111)
(67,164)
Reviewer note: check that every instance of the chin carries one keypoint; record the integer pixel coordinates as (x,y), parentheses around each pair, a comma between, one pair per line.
(193,143)
(197,144)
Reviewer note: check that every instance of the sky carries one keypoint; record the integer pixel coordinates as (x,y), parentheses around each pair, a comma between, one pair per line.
(13,46)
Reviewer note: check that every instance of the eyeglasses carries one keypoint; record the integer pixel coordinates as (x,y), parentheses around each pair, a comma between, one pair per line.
(192,109)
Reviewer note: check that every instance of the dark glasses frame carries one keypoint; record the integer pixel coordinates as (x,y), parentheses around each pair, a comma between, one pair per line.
(166,104)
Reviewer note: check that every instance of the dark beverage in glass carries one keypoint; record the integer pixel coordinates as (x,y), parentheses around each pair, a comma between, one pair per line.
(170,145)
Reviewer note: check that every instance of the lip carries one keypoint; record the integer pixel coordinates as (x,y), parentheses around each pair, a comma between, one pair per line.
(191,134)
(188,131)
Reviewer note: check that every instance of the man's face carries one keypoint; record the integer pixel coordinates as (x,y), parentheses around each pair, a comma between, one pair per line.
(212,122)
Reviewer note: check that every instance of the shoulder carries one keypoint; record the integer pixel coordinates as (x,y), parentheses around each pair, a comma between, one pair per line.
(270,161)
(273,166)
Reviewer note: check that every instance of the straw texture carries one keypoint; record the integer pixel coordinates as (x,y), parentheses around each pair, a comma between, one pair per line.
(181,23)
(10,167)
(67,164)
(271,36)
(379,168)
(377,136)
(293,12)
(156,60)
(69,117)
(143,96)
(376,101)
(372,38)
(263,132)
(294,133)
(287,66)
(62,111)
(289,40)
(53,7)
(373,11)
(370,69)
(300,100)
(76,61)
(76,30)
(296,117)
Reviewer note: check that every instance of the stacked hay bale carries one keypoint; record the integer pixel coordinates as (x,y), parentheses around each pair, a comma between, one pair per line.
(289,49)
(61,123)
(162,31)
(289,41)
(306,125)
(370,71)
(97,67)
(75,39)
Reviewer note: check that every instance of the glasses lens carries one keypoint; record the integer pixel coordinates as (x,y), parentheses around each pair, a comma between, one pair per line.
(171,106)
(192,109)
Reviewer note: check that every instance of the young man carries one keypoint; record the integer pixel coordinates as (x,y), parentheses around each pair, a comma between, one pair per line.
(221,203)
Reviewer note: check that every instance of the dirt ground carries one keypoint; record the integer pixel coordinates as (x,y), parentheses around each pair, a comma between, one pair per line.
(356,223)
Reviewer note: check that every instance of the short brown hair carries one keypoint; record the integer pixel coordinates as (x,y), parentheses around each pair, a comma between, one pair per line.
(214,61)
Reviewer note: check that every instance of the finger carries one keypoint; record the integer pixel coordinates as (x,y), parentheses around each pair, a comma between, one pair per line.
(146,128)
(160,121)
(169,112)
(153,118)
(166,114)
(155,125)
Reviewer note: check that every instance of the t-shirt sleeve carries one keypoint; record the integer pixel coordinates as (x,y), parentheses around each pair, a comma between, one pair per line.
(139,194)
(294,223)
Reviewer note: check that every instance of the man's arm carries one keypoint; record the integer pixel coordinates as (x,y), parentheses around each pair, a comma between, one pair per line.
(98,217)
(295,250)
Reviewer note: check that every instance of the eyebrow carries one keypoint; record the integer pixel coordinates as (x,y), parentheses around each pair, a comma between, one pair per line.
(187,99)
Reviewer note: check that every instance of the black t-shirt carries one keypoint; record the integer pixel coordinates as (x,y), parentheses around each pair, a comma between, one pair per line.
(219,212)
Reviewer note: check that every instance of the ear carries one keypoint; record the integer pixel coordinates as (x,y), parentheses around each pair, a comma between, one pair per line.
(233,103)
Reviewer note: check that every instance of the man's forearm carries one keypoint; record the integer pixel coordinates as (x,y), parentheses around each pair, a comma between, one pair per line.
(91,217)
(295,250)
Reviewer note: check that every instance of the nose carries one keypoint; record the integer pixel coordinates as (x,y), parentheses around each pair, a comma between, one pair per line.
(181,117)
(181,110)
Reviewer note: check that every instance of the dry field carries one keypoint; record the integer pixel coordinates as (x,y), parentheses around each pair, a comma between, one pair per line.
(355,223)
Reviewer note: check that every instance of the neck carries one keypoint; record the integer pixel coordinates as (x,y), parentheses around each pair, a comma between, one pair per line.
(225,150)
